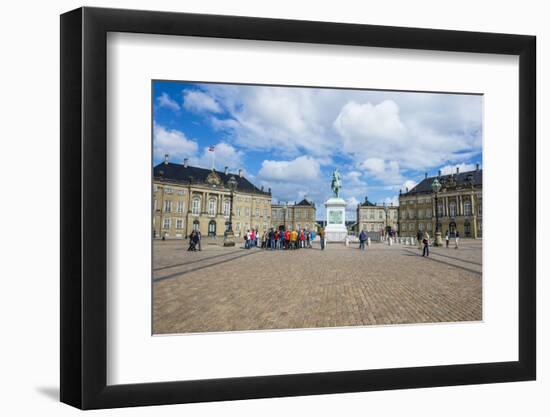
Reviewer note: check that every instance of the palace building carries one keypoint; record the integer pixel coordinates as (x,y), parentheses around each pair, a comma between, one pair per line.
(187,198)
(293,216)
(376,218)
(459,205)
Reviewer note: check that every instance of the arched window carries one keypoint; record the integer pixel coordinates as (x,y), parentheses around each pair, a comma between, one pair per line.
(212,207)
(440,209)
(452,209)
(467,208)
(196,205)
(196,225)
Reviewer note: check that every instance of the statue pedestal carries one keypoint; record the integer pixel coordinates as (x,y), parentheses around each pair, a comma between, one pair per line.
(336,230)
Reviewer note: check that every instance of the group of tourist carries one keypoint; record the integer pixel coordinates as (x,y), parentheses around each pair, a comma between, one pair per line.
(275,239)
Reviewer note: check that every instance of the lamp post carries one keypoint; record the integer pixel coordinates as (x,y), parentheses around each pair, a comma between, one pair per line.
(386,233)
(436,187)
(229,236)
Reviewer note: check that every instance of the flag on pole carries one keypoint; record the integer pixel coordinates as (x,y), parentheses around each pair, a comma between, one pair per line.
(212,148)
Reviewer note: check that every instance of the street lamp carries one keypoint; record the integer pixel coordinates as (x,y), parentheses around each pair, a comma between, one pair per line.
(436,187)
(386,233)
(229,236)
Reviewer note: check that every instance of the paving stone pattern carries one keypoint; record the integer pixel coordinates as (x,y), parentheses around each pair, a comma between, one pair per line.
(227,289)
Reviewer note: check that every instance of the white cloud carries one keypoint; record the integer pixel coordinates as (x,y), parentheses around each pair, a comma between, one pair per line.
(409,184)
(364,124)
(385,172)
(172,142)
(164,100)
(296,170)
(451,169)
(198,101)
(351,203)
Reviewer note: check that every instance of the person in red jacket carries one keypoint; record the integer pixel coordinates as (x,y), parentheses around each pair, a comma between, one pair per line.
(302,238)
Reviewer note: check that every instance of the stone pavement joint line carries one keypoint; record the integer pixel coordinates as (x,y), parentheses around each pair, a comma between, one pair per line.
(224,289)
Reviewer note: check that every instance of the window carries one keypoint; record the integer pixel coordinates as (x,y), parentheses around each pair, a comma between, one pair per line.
(429,226)
(404,214)
(371,214)
(238,211)
(265,212)
(167,190)
(166,223)
(420,213)
(196,206)
(226,207)
(411,227)
(421,227)
(452,209)
(440,209)
(167,206)
(257,212)
(179,207)
(196,226)
(247,211)
(212,207)
(179,224)
(155,205)
(428,213)
(380,214)
(238,226)
(371,227)
(467,208)
(180,192)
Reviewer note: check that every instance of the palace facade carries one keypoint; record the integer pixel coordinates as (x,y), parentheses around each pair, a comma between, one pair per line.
(459,205)
(376,218)
(293,216)
(187,198)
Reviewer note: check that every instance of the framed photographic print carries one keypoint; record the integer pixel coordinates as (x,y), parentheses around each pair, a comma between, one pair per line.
(257,208)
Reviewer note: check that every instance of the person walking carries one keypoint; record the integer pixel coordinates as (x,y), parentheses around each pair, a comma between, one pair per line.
(287,239)
(248,239)
(302,239)
(419,239)
(199,238)
(447,239)
(311,238)
(191,247)
(362,239)
(271,239)
(426,243)
(457,236)
(322,238)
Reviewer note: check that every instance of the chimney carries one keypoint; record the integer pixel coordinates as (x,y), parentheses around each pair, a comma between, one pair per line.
(240,173)
(269,190)
(425,175)
(226,170)
(400,191)
(406,189)
(477,166)
(457,170)
(366,198)
(166,159)
(439,173)
(185,162)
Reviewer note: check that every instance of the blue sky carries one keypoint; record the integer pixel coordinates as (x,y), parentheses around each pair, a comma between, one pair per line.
(291,138)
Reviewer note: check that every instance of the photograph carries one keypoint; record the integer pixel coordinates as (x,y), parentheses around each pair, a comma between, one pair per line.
(303,207)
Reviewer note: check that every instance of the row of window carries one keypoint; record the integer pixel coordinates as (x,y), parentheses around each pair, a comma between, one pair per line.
(381,214)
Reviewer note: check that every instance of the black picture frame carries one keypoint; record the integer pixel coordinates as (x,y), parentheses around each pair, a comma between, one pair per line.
(84,207)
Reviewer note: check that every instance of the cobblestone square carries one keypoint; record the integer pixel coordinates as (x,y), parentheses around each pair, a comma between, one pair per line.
(227,289)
